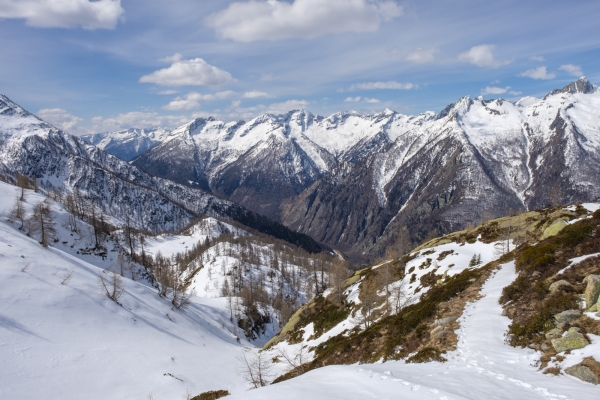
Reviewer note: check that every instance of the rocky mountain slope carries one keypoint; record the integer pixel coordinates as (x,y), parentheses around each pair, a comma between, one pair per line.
(356,181)
(31,147)
(427,306)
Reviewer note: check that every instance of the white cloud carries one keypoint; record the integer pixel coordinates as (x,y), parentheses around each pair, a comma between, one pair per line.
(538,73)
(255,94)
(136,119)
(352,99)
(383,85)
(167,92)
(499,90)
(286,106)
(421,56)
(274,20)
(495,90)
(482,56)
(59,118)
(188,72)
(371,100)
(64,13)
(572,69)
(192,100)
(538,58)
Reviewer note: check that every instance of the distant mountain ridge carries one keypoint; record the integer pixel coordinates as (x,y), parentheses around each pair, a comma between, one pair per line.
(363,182)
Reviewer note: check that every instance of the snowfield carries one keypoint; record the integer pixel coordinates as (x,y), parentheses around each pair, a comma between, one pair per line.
(62,338)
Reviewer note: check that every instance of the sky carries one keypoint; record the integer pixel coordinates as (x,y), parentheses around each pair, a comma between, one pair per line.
(92,66)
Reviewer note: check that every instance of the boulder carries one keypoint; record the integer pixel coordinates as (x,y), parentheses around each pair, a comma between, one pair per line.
(556,285)
(554,333)
(553,229)
(566,317)
(582,372)
(592,291)
(571,340)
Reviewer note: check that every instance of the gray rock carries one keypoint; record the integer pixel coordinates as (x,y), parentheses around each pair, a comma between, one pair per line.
(570,341)
(554,333)
(446,321)
(583,373)
(567,316)
(556,285)
(592,291)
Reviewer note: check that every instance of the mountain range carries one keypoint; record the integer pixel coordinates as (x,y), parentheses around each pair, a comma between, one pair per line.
(365,183)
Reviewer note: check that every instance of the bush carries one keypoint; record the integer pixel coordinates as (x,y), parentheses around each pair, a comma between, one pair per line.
(541,321)
(515,290)
(427,354)
(211,395)
(536,258)
(572,235)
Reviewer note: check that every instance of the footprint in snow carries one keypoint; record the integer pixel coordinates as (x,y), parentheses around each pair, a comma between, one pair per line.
(415,388)
(406,383)
(433,390)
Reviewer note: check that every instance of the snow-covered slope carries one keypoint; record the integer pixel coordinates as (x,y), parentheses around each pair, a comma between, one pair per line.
(61,337)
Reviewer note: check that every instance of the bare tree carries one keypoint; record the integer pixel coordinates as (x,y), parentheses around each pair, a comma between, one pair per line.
(255,369)
(400,295)
(112,285)
(339,273)
(41,221)
(19,211)
(296,361)
(369,298)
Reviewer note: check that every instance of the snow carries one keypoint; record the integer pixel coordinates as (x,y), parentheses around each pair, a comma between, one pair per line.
(68,340)
(577,260)
(482,367)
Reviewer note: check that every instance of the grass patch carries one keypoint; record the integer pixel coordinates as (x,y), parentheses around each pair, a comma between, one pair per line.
(211,395)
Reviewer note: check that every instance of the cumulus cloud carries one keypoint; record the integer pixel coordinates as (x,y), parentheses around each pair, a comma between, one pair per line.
(572,69)
(352,99)
(495,90)
(422,56)
(368,100)
(538,73)
(98,14)
(255,94)
(383,85)
(194,72)
(538,58)
(136,119)
(499,90)
(275,20)
(482,56)
(286,106)
(192,100)
(60,118)
(167,92)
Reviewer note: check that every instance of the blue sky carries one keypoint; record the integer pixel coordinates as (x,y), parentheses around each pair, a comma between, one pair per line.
(90,66)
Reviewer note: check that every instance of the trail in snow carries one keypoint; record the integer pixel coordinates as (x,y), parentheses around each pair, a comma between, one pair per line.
(482,367)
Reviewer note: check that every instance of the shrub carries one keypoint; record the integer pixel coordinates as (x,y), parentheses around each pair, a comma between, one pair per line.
(536,257)
(211,395)
(427,354)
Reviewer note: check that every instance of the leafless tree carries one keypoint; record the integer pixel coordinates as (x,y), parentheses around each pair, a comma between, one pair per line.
(19,211)
(338,275)
(296,361)
(400,295)
(112,285)
(41,221)
(255,369)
